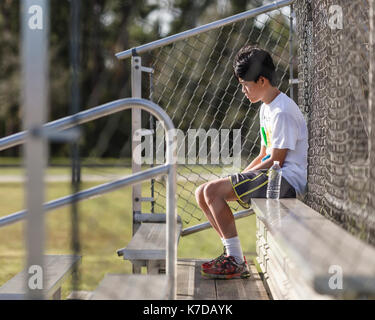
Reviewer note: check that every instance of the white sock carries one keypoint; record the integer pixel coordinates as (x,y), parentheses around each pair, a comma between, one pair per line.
(234,249)
(223,240)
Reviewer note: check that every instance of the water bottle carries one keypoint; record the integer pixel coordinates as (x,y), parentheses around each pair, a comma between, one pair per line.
(274,181)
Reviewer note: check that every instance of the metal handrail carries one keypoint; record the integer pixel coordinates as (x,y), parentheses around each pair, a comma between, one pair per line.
(207,225)
(168,168)
(71,121)
(210,26)
(89,193)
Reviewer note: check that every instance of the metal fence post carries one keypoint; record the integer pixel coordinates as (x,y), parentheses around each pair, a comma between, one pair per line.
(35,29)
(371,110)
(171,216)
(291,54)
(136,82)
(75,12)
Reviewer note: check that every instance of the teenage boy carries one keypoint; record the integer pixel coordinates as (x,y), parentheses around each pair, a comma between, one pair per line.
(283,134)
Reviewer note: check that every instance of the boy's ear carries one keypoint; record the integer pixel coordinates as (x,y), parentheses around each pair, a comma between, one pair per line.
(263,80)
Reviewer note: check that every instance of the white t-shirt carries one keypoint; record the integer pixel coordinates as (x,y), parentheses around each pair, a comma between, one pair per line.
(285,128)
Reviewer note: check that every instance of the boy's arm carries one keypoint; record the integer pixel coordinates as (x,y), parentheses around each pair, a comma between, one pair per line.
(285,133)
(257,160)
(276,155)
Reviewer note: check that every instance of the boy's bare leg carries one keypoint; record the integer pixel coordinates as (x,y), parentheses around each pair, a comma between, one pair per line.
(216,195)
(199,195)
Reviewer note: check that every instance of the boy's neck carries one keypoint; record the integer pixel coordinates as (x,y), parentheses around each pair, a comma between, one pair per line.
(270,95)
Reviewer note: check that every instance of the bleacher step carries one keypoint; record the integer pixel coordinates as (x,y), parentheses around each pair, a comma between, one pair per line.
(132,287)
(56,268)
(148,243)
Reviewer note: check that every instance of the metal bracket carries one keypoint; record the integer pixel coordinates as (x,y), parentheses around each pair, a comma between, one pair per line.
(146,69)
(134,52)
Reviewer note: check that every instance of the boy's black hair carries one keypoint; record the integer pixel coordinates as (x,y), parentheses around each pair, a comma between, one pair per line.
(251,62)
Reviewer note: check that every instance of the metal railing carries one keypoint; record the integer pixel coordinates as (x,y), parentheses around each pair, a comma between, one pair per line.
(207,27)
(70,121)
(169,168)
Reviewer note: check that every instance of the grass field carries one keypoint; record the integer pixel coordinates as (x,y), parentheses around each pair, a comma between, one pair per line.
(105,226)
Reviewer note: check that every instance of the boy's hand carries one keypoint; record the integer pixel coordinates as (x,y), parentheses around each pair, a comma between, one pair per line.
(257,160)
(276,155)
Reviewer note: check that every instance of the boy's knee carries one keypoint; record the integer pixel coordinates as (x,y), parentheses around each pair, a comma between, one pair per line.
(199,193)
(210,193)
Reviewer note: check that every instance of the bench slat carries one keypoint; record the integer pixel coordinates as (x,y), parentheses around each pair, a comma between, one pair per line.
(132,287)
(276,265)
(314,244)
(57,268)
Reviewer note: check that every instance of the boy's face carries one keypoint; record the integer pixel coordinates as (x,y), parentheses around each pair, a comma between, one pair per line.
(254,91)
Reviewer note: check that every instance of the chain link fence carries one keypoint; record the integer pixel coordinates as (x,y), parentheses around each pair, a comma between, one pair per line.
(333,72)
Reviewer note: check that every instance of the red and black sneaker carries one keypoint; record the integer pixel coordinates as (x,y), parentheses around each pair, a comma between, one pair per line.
(227,268)
(208,264)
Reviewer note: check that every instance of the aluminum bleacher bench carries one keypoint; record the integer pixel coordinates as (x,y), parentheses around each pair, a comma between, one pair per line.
(303,255)
(147,248)
(57,269)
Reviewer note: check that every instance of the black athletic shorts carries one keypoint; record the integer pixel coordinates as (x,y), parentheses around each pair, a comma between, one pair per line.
(253,184)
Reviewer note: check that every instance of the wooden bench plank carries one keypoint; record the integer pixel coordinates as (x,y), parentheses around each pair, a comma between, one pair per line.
(132,287)
(204,288)
(57,268)
(314,244)
(250,288)
(233,289)
(193,286)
